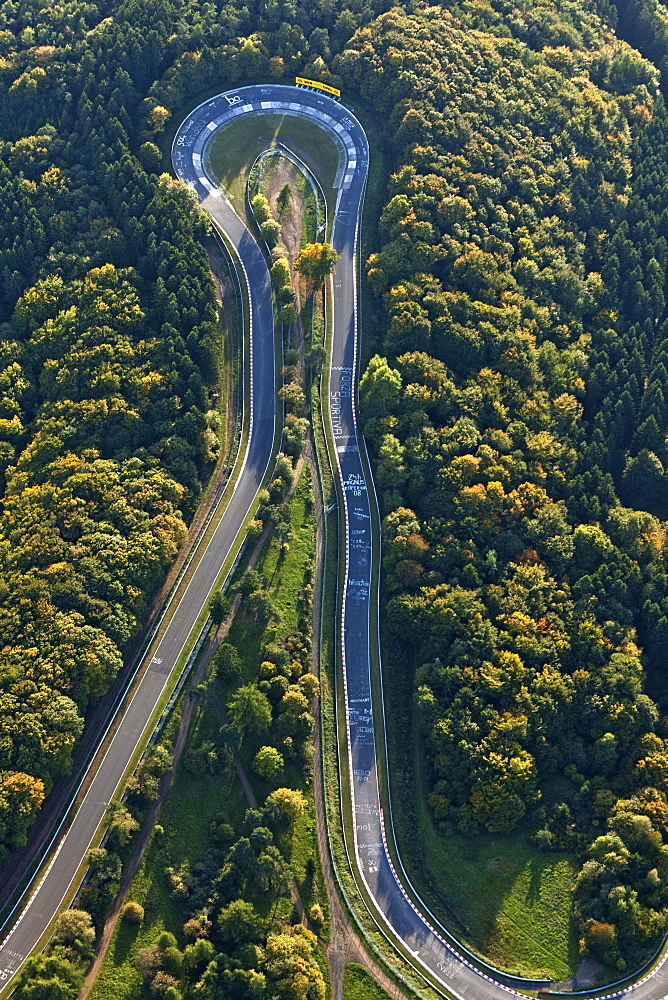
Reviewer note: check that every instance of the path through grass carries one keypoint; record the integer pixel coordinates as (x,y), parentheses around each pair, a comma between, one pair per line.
(186,817)
(284,573)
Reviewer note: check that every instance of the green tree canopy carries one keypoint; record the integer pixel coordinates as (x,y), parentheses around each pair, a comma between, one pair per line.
(316,261)
(249,709)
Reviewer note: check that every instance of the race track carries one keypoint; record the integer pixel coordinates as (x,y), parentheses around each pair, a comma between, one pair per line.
(399,914)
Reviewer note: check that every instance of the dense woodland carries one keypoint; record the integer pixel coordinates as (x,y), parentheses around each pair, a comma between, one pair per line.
(516,407)
(518,419)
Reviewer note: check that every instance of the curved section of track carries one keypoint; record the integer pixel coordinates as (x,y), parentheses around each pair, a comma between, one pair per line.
(395,911)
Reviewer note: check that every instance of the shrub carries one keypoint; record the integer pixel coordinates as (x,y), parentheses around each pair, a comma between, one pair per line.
(75,925)
(173,961)
(197,927)
(268,762)
(48,976)
(148,962)
(133,912)
(165,941)
(162,982)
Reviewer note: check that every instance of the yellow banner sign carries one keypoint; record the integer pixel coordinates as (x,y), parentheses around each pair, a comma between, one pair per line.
(301,82)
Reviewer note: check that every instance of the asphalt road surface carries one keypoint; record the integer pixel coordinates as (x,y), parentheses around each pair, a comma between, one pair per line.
(25,926)
(398,913)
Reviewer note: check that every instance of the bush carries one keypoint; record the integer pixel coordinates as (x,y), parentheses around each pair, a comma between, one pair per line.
(309,685)
(255,529)
(283,807)
(316,916)
(228,663)
(288,314)
(133,912)
(75,925)
(148,962)
(103,866)
(280,273)
(268,762)
(122,826)
(198,955)
(48,976)
(271,231)
(173,961)
(197,927)
(162,982)
(165,941)
(219,607)
(260,207)
(150,157)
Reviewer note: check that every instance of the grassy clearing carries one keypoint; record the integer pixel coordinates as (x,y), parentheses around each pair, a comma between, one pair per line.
(285,579)
(358,985)
(506,899)
(512,900)
(234,149)
(309,228)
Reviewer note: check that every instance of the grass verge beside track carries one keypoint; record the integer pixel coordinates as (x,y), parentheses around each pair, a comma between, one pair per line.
(235,148)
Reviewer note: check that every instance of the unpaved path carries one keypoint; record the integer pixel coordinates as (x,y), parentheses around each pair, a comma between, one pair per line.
(146,831)
(252,802)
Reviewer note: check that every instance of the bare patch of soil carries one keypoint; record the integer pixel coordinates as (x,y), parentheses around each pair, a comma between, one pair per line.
(284,172)
(584,979)
(501,865)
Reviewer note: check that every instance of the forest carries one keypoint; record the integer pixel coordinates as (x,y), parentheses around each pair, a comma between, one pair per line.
(514,403)
(517,415)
